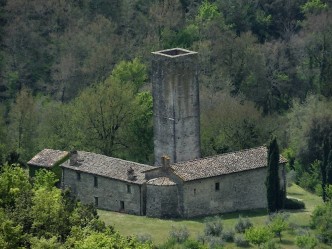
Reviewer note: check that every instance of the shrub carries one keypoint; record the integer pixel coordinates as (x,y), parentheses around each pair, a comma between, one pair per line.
(240,241)
(227,236)
(322,220)
(193,244)
(271,245)
(180,234)
(294,204)
(258,235)
(213,228)
(214,242)
(306,242)
(278,223)
(242,225)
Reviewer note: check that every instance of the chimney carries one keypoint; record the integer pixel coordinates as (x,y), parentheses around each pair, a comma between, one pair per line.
(73,158)
(131,174)
(165,160)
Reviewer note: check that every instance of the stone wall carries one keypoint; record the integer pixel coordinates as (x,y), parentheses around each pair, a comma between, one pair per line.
(238,191)
(175,105)
(112,194)
(162,201)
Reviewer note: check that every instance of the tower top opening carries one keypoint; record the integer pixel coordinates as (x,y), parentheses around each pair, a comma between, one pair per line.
(174,52)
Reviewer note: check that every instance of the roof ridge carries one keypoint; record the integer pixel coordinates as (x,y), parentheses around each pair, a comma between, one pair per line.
(222,154)
(116,158)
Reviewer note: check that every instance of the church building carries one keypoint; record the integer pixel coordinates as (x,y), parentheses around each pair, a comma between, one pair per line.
(181,183)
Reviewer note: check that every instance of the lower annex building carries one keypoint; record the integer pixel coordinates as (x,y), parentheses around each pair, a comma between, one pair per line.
(212,185)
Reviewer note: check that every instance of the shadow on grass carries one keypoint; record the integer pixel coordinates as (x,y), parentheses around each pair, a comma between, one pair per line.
(226,216)
(286,242)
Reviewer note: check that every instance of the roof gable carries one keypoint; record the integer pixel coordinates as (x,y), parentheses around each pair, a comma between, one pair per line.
(48,158)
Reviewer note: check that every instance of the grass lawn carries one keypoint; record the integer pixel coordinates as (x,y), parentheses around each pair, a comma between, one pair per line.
(159,228)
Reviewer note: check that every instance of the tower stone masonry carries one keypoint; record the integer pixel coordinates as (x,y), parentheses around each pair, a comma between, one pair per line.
(175,105)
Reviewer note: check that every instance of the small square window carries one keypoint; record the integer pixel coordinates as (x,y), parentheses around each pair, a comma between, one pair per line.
(78,176)
(217,186)
(128,189)
(96,181)
(96,201)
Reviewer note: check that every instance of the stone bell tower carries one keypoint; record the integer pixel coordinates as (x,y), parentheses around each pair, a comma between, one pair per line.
(175,105)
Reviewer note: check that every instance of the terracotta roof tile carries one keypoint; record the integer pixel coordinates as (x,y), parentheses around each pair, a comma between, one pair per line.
(108,167)
(223,164)
(48,158)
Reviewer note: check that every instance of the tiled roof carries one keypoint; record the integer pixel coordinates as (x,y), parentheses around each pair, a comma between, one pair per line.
(48,158)
(108,167)
(161,181)
(223,164)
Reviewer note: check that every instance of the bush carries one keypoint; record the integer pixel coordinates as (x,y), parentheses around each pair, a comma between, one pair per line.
(294,204)
(258,235)
(322,220)
(306,242)
(180,234)
(214,242)
(228,236)
(213,228)
(240,241)
(242,225)
(278,223)
(193,244)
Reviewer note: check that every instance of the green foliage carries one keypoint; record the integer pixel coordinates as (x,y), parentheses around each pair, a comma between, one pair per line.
(228,236)
(241,241)
(306,242)
(275,198)
(322,220)
(258,235)
(45,179)
(207,12)
(278,223)
(243,224)
(42,243)
(329,169)
(47,212)
(180,234)
(130,72)
(11,235)
(310,179)
(313,7)
(14,182)
(213,228)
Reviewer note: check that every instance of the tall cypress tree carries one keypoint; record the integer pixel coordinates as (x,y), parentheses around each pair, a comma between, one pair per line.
(275,195)
(329,169)
(323,166)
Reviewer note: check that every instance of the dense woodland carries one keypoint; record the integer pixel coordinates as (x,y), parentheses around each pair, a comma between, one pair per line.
(75,74)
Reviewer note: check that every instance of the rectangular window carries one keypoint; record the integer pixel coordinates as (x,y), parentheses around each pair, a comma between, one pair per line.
(194,191)
(217,187)
(78,176)
(96,201)
(122,205)
(96,181)
(128,189)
